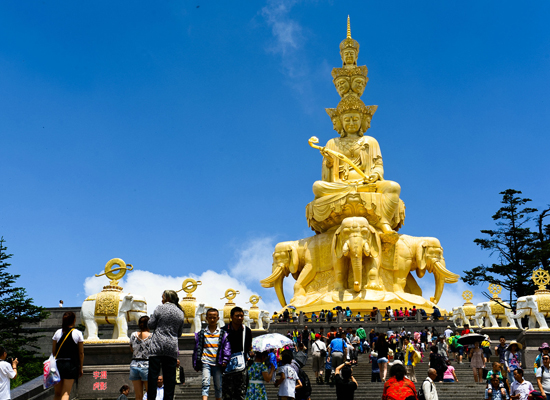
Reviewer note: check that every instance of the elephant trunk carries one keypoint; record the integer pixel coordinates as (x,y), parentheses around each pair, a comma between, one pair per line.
(356,256)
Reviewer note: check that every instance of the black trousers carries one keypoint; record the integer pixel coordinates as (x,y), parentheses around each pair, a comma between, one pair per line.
(168,365)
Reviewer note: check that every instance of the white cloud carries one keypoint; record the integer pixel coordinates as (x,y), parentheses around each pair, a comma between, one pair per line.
(288,38)
(213,287)
(452,293)
(287,32)
(254,260)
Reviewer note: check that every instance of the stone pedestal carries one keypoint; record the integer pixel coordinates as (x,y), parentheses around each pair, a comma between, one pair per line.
(496,333)
(531,340)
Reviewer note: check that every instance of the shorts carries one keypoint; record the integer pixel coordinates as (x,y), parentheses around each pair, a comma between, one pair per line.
(318,362)
(448,380)
(68,369)
(382,360)
(139,374)
(460,350)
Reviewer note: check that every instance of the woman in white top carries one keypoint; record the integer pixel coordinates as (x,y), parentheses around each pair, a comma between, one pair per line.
(68,349)
(543,376)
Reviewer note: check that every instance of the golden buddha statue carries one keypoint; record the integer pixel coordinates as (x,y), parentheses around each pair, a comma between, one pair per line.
(356,257)
(341,181)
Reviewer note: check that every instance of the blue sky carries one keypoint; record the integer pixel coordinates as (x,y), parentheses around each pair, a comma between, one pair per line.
(174,134)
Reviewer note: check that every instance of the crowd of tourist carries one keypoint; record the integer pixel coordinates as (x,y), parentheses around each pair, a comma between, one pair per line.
(224,356)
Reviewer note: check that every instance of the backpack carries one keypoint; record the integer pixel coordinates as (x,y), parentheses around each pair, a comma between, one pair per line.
(420,392)
(305,391)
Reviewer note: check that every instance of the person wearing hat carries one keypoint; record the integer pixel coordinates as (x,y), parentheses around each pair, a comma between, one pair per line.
(512,359)
(544,350)
(319,350)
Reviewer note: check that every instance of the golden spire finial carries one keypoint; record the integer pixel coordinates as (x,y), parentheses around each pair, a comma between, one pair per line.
(349,30)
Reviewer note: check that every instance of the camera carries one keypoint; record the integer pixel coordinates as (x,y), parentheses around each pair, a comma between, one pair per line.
(9,360)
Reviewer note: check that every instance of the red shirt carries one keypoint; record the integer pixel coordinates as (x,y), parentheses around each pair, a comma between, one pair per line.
(398,390)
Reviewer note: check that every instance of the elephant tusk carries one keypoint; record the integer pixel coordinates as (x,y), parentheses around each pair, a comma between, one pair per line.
(345,248)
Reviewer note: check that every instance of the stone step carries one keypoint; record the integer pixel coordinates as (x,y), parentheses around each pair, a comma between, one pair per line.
(465,389)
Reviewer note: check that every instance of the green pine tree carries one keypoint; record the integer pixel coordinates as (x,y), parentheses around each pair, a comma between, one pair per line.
(17,312)
(513,244)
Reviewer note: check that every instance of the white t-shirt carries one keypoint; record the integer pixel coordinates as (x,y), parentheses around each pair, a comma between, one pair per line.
(429,389)
(318,346)
(6,373)
(448,333)
(288,385)
(543,373)
(523,389)
(76,334)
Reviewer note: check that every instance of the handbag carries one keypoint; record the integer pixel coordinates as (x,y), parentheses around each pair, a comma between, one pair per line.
(321,351)
(51,373)
(237,362)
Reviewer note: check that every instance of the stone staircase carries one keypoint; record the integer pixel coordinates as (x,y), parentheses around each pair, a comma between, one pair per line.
(465,389)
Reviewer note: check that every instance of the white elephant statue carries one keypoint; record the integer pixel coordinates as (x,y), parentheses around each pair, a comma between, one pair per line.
(459,315)
(529,306)
(486,309)
(247,320)
(200,316)
(114,308)
(480,317)
(255,315)
(264,320)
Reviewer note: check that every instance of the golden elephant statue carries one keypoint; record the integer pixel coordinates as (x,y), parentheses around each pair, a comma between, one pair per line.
(356,247)
(418,254)
(304,259)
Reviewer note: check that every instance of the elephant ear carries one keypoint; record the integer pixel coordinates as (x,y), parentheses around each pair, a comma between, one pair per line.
(420,258)
(293,259)
(374,242)
(337,244)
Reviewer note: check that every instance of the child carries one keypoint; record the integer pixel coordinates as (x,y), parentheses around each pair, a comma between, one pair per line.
(375,374)
(449,375)
(494,371)
(328,368)
(287,378)
(496,390)
(258,374)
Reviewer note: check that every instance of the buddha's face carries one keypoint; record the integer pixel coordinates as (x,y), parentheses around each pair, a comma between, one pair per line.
(336,124)
(351,122)
(365,124)
(342,86)
(349,56)
(358,85)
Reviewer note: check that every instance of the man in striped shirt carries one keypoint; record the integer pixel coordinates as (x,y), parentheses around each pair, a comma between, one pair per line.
(212,353)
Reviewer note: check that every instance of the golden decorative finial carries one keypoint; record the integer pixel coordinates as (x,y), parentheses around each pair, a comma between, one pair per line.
(467,295)
(189,286)
(495,289)
(230,294)
(541,278)
(122,268)
(349,30)
(254,299)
